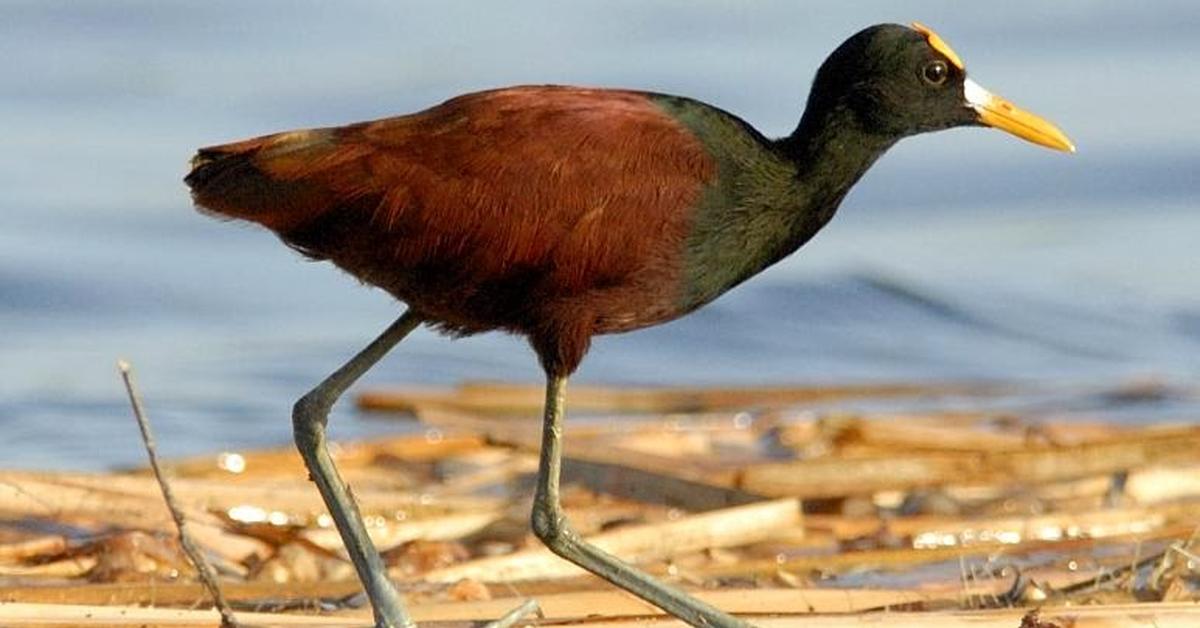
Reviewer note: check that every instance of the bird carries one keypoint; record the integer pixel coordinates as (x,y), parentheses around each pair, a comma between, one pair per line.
(561,213)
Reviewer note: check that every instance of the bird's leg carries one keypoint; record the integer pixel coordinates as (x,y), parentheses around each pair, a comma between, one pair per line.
(551,526)
(309,417)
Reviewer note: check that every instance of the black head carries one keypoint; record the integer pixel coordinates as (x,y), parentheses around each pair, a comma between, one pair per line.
(898,81)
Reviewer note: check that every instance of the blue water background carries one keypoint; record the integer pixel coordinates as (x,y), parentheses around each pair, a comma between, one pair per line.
(961,255)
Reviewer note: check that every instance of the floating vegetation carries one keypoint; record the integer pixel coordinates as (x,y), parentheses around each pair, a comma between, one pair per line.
(758,500)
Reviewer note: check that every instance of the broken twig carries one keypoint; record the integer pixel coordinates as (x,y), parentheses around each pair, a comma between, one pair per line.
(204,570)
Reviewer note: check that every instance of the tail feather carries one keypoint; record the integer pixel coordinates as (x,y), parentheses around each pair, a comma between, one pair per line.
(243,180)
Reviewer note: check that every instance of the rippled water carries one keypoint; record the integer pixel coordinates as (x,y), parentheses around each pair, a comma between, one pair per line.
(961,255)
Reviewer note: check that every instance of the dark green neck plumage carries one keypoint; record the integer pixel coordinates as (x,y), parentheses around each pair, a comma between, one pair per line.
(831,151)
(770,197)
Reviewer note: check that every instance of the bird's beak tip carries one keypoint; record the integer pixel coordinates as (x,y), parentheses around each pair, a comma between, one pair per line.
(999,113)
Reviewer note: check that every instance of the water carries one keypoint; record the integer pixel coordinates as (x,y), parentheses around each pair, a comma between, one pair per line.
(961,255)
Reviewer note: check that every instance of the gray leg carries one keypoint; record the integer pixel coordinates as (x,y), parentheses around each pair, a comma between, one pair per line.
(550,525)
(309,417)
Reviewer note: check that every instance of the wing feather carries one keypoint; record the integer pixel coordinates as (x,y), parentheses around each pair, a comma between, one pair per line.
(571,188)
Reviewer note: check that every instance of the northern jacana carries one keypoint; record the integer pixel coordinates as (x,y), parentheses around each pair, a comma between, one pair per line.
(559,213)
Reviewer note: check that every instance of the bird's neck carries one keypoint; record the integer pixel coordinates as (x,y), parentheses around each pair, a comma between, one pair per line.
(831,151)
(771,196)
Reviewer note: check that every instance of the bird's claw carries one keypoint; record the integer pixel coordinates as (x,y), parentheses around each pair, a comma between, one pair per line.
(513,617)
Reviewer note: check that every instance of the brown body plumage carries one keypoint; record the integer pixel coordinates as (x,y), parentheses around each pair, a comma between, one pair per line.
(554,212)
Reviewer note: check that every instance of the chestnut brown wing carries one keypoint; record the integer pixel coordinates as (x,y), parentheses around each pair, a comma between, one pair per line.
(552,190)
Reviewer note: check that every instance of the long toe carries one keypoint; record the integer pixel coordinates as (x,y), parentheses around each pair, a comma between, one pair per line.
(513,617)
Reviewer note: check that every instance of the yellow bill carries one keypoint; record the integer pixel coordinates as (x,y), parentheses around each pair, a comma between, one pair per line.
(997,112)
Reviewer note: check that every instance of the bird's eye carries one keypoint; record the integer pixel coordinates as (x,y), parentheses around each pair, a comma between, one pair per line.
(935,73)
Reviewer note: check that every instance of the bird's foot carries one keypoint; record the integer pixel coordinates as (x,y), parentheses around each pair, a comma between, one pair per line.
(516,615)
(508,620)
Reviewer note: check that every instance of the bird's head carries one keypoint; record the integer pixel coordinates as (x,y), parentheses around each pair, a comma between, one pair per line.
(899,80)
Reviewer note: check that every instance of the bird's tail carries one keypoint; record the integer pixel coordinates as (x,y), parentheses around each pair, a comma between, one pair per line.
(263,180)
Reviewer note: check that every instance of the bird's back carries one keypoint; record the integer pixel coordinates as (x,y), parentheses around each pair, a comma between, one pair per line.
(487,210)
